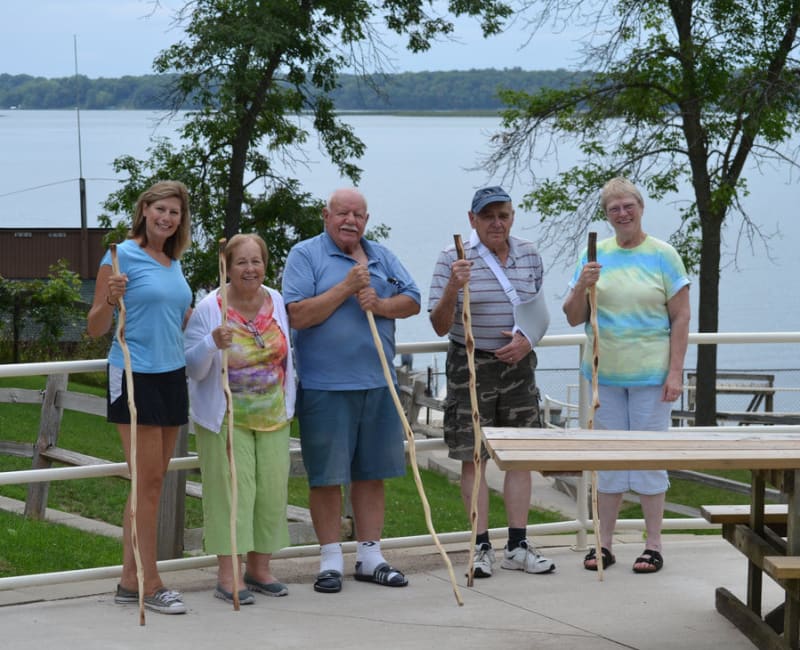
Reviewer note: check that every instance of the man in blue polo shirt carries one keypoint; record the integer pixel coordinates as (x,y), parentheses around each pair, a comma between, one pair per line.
(350,432)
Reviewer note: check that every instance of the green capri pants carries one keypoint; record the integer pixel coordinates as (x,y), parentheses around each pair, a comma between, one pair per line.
(262,469)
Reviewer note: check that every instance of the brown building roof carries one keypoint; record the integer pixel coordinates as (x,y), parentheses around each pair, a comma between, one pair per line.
(28,253)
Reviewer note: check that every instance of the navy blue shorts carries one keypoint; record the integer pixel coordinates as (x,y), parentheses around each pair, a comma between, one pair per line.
(162,398)
(350,435)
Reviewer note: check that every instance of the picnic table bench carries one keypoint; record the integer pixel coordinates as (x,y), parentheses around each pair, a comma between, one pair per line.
(772,458)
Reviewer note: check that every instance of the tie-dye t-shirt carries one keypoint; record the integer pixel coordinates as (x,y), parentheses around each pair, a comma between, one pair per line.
(257,370)
(633,321)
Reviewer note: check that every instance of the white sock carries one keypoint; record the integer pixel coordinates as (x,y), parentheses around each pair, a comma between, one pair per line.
(370,556)
(331,557)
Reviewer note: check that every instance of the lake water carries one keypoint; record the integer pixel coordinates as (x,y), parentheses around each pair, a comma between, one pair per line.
(417,180)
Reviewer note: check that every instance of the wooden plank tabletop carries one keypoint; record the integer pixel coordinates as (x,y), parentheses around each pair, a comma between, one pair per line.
(582,449)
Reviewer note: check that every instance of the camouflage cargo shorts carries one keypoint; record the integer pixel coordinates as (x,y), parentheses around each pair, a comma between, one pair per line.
(507,396)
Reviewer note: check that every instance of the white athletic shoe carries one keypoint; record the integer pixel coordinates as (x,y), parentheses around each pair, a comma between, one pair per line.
(525,558)
(483,561)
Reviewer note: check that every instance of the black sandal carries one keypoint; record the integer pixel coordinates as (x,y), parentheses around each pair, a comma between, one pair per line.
(384,574)
(653,560)
(328,582)
(591,556)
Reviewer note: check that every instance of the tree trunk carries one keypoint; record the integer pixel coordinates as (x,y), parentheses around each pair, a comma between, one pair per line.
(238,168)
(708,321)
(233,206)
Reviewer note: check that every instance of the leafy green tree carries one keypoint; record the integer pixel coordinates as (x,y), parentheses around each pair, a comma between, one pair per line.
(686,92)
(261,74)
(52,305)
(56,303)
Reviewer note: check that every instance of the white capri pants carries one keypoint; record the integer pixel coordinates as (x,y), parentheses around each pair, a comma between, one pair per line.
(635,408)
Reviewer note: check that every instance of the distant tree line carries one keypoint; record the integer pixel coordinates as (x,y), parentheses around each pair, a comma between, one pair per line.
(408,91)
(35,93)
(445,91)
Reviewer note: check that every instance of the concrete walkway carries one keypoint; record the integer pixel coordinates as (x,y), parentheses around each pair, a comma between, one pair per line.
(567,609)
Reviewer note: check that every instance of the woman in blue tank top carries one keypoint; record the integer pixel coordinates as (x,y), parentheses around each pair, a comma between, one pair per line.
(157,303)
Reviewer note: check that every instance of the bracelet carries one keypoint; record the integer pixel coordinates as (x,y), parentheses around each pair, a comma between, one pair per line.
(111,304)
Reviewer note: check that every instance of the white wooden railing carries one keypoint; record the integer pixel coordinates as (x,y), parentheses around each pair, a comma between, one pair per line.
(579,526)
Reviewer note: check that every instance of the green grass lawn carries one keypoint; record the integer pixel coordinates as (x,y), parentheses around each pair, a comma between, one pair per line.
(96,498)
(28,546)
(104,498)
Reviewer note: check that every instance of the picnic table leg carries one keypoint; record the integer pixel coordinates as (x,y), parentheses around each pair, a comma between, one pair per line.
(791,614)
(754,573)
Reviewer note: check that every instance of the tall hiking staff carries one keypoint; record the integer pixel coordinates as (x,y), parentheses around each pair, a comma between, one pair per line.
(469,344)
(412,453)
(591,255)
(226,388)
(134,500)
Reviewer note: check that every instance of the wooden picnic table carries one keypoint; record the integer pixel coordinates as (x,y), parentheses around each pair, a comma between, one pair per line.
(772,458)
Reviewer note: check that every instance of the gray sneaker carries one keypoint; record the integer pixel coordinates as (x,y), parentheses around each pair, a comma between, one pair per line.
(525,558)
(165,601)
(126,596)
(483,561)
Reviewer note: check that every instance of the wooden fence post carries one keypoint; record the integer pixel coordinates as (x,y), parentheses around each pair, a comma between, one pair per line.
(49,425)
(172,507)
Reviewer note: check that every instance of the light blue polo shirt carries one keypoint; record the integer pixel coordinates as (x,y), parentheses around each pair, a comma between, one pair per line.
(156,300)
(339,353)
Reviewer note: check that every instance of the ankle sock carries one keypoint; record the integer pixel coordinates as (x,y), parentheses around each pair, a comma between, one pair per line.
(482,539)
(331,558)
(515,536)
(370,556)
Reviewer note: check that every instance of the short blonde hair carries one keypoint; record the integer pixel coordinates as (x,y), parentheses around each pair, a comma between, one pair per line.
(241,238)
(617,188)
(179,241)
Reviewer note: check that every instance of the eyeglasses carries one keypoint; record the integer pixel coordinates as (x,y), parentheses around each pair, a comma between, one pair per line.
(256,336)
(628,208)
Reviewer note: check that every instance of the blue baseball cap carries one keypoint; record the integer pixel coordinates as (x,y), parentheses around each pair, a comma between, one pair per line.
(487,195)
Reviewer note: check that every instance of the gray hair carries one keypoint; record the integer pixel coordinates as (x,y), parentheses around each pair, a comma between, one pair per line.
(345,191)
(617,188)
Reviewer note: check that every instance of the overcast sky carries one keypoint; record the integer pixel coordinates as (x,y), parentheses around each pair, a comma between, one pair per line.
(122,37)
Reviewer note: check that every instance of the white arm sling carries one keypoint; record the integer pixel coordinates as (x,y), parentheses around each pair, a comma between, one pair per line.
(531,318)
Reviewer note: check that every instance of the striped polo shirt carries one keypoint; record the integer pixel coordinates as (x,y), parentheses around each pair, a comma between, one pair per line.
(490,308)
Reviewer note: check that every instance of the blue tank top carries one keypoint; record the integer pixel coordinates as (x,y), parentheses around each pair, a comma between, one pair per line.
(156,300)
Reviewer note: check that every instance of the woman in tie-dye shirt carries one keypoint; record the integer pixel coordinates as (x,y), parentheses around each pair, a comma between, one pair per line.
(643,323)
(260,374)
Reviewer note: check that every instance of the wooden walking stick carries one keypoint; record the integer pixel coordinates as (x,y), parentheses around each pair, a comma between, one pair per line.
(226,388)
(591,255)
(469,342)
(412,453)
(126,355)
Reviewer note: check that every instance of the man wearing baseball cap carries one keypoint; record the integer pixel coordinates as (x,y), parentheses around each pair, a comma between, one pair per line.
(502,272)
